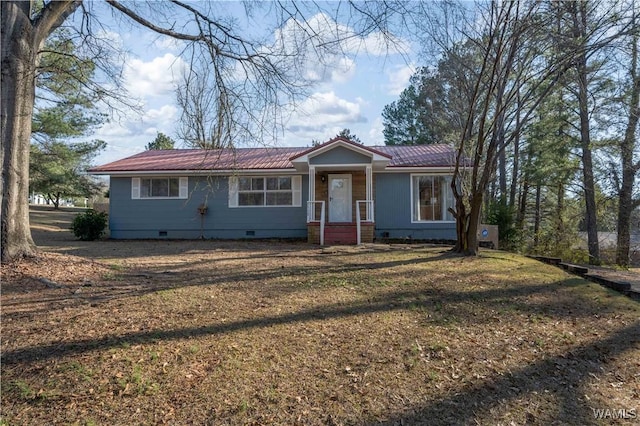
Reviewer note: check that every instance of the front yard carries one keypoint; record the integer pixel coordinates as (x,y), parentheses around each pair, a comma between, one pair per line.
(204,332)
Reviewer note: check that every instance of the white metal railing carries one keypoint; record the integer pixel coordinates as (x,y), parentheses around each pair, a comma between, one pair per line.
(369,217)
(311,216)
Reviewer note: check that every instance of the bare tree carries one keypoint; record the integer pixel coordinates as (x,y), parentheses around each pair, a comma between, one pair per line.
(252,79)
(206,119)
(515,74)
(520,61)
(628,145)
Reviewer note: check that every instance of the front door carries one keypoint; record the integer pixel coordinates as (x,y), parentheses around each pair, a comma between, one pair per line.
(339,198)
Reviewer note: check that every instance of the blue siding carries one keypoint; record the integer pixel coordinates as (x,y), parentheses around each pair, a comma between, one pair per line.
(340,155)
(144,218)
(393,211)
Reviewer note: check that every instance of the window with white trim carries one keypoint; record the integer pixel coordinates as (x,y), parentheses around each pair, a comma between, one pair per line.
(159,187)
(431,198)
(270,191)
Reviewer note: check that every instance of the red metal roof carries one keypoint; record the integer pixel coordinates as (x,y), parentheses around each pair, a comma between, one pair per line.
(341,139)
(265,158)
(437,155)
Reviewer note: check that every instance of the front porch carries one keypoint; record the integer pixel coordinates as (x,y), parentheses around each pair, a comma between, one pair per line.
(340,208)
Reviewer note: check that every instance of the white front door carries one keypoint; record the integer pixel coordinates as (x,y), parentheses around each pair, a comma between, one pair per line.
(339,198)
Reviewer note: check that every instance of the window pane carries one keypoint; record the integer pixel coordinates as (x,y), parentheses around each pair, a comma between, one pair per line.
(174,187)
(159,187)
(447,196)
(432,197)
(244,184)
(251,199)
(436,199)
(145,188)
(272,184)
(257,184)
(426,198)
(279,199)
(285,183)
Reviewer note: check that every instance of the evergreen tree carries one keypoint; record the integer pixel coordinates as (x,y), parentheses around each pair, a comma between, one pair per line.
(57,170)
(432,109)
(64,109)
(161,141)
(346,133)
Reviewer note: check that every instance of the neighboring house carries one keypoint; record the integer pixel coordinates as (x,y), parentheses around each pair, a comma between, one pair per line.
(325,193)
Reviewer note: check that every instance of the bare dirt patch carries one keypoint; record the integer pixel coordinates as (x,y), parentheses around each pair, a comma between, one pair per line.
(210,332)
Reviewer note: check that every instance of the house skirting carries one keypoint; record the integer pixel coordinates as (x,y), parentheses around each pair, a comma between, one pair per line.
(343,233)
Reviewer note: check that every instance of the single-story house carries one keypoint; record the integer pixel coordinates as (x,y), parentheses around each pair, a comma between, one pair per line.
(339,192)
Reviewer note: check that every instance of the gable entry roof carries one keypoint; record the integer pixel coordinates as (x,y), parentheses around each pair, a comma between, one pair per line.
(272,158)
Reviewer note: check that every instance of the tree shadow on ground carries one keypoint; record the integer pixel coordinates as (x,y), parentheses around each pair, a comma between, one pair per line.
(136,283)
(453,305)
(563,376)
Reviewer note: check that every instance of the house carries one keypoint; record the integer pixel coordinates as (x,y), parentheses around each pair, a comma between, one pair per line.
(339,192)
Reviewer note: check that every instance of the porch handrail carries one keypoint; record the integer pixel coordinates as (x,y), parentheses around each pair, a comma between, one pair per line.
(311,217)
(368,218)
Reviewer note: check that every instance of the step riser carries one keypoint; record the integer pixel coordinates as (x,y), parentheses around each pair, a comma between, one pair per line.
(340,234)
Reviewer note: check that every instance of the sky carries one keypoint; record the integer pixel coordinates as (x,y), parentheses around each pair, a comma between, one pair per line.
(349,90)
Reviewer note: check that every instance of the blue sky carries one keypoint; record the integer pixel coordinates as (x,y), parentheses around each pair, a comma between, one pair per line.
(349,91)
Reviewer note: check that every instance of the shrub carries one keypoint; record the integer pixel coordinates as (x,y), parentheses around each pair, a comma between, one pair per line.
(90,225)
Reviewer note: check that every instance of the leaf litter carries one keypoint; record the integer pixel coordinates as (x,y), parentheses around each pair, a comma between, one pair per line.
(222,332)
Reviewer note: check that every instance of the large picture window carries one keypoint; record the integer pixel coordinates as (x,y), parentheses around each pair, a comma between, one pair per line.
(252,191)
(431,198)
(154,187)
(159,187)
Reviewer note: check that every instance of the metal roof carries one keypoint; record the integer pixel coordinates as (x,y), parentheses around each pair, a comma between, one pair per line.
(265,158)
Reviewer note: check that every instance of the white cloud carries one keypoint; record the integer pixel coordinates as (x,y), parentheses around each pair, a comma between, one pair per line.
(154,78)
(343,70)
(168,43)
(376,137)
(162,115)
(113,39)
(399,78)
(322,113)
(324,50)
(125,138)
(378,44)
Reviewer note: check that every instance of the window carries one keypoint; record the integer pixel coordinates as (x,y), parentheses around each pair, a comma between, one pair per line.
(431,198)
(250,191)
(159,187)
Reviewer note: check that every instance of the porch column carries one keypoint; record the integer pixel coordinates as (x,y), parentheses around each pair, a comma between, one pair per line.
(312,183)
(311,208)
(369,190)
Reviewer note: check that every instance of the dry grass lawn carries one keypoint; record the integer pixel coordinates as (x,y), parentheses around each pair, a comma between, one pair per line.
(261,333)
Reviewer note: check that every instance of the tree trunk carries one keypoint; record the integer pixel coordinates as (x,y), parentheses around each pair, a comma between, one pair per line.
(524,194)
(587,176)
(516,159)
(472,228)
(502,168)
(559,212)
(580,33)
(18,88)
(55,200)
(538,216)
(21,40)
(629,169)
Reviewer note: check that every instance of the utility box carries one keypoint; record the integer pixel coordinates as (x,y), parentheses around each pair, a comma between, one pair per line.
(488,236)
